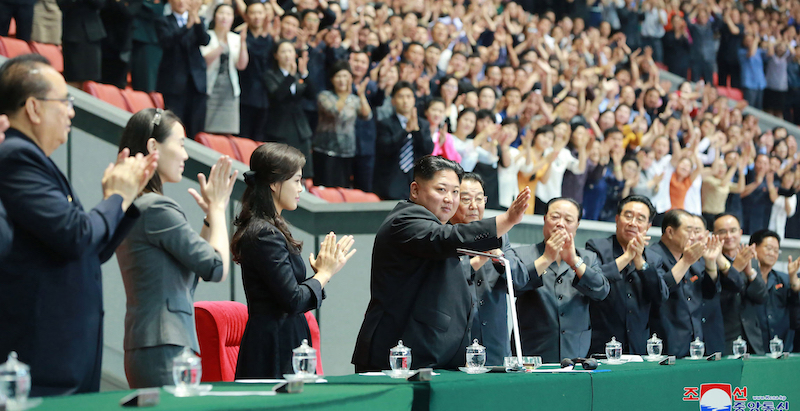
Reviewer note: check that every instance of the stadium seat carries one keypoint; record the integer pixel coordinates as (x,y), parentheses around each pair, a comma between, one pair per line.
(158,99)
(329,194)
(220,326)
(731,93)
(52,52)
(222,144)
(245,147)
(715,78)
(108,93)
(308,183)
(12,47)
(12,29)
(358,196)
(137,100)
(313,326)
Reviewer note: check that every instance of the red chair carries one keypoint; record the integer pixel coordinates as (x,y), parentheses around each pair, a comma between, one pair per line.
(220,326)
(108,93)
(137,100)
(12,29)
(158,99)
(52,52)
(731,93)
(331,195)
(245,147)
(217,142)
(358,196)
(12,47)
(313,326)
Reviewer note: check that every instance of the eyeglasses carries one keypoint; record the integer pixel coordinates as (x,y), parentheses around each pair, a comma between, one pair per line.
(478,200)
(69,101)
(771,249)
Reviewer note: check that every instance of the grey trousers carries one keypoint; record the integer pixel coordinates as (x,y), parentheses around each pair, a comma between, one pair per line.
(150,366)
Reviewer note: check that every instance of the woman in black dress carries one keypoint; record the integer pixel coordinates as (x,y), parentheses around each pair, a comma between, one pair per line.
(274,276)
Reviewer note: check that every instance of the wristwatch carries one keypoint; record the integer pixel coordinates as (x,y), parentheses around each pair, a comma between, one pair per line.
(578,263)
(645,266)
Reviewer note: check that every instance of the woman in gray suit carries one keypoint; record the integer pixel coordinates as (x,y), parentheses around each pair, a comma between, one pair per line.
(162,259)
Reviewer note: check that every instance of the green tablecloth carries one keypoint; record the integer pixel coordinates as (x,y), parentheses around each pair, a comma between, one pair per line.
(326,397)
(633,386)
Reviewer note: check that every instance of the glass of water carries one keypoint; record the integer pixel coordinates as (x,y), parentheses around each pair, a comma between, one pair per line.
(776,346)
(304,359)
(739,347)
(614,350)
(15,381)
(186,372)
(654,346)
(400,357)
(696,349)
(476,356)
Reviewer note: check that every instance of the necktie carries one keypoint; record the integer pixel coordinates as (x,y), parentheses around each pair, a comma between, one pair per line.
(407,155)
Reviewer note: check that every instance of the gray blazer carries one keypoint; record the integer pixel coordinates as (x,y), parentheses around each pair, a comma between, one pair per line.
(161,262)
(553,308)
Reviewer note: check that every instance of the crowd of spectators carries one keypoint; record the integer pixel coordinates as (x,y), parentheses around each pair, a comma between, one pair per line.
(563,98)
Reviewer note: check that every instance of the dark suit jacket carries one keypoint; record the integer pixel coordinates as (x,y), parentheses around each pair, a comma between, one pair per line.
(81,21)
(778,309)
(117,19)
(678,320)
(144,24)
(419,291)
(6,232)
(182,66)
(738,300)
(287,122)
(490,323)
(51,305)
(390,182)
(625,312)
(553,308)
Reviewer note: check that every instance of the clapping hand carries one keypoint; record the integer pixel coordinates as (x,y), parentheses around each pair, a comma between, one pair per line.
(743,258)
(555,245)
(693,251)
(216,192)
(332,256)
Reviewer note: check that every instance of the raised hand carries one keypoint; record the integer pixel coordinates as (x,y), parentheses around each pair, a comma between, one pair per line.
(794,265)
(216,192)
(713,248)
(302,64)
(413,122)
(332,256)
(554,245)
(692,252)
(518,207)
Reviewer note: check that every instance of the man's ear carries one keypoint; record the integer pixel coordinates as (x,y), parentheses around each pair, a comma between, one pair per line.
(414,191)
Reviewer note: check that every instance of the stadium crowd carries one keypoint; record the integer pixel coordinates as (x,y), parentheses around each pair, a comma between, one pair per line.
(563,98)
(495,104)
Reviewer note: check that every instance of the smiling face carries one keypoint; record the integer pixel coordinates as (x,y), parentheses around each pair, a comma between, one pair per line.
(729,230)
(286,194)
(472,203)
(342,81)
(634,219)
(768,251)
(223,18)
(440,195)
(435,113)
(543,141)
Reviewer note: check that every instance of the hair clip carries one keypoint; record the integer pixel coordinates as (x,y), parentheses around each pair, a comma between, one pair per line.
(157,117)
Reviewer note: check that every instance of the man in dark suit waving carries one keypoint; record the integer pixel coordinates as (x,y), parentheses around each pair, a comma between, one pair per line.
(403,137)
(51,306)
(182,73)
(419,290)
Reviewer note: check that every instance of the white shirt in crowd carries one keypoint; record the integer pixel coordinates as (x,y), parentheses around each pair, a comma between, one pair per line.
(778,216)
(552,188)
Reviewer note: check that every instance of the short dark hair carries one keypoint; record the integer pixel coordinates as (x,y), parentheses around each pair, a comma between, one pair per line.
(673,218)
(290,14)
(401,85)
(639,199)
(569,200)
(759,236)
(339,66)
(413,43)
(19,80)
(547,128)
(728,215)
(474,177)
(427,167)
(434,101)
(433,46)
(484,113)
(611,131)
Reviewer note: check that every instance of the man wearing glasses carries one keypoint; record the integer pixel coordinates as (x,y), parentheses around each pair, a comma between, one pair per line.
(742,288)
(490,320)
(51,304)
(782,300)
(635,277)
(556,287)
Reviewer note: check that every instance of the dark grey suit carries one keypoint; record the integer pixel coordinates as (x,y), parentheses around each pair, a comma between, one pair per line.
(161,262)
(739,299)
(419,291)
(553,307)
